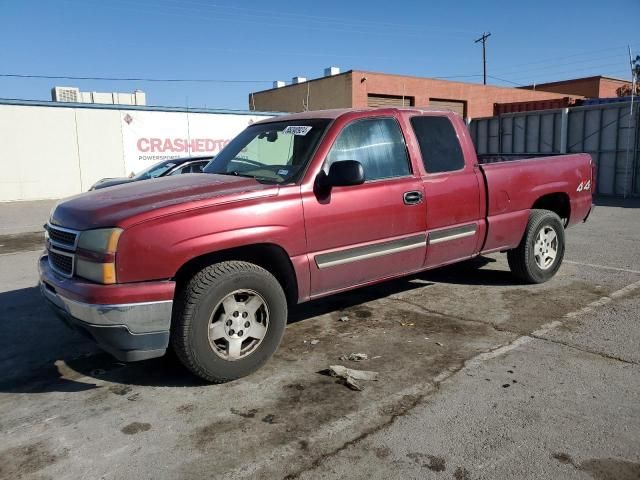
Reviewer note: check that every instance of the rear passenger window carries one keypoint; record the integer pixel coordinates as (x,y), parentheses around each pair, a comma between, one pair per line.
(377,144)
(439,145)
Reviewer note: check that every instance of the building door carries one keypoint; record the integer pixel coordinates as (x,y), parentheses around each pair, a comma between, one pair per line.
(374,100)
(458,106)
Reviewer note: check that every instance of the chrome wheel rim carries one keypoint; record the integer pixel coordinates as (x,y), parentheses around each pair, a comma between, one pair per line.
(238,325)
(545,247)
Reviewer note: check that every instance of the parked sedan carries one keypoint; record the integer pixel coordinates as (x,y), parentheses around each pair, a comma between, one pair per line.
(175,166)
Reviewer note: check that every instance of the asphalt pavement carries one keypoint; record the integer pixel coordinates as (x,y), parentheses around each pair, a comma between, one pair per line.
(479,377)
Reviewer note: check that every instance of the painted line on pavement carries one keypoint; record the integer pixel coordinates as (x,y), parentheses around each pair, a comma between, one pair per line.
(603,267)
(547,327)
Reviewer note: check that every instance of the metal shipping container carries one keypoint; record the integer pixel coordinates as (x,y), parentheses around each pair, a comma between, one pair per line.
(609,132)
(532,105)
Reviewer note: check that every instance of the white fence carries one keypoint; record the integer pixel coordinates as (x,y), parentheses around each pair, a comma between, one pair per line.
(608,132)
(51,150)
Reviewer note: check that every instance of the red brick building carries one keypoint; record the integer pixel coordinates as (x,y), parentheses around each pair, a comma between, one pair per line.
(356,88)
(590,87)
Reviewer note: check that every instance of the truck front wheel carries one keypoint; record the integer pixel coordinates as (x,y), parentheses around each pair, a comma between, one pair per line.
(540,253)
(228,320)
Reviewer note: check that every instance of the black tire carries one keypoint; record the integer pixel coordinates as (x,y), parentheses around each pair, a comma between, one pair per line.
(195,306)
(522,261)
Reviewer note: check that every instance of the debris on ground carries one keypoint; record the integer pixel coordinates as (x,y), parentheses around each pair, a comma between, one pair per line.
(439,344)
(355,357)
(406,324)
(344,319)
(315,342)
(350,376)
(377,356)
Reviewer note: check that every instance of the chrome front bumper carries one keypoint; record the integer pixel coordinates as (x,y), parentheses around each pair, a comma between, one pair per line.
(130,332)
(137,317)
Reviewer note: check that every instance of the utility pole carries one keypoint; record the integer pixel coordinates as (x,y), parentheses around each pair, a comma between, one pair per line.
(635,74)
(483,39)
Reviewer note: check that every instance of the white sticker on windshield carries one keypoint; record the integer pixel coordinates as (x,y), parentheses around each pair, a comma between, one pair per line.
(283,172)
(297,130)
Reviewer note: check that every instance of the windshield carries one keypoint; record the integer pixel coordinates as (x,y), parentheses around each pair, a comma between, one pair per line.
(275,152)
(156,170)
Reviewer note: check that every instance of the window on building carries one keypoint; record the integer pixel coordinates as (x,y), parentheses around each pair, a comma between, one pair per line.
(377,144)
(379,100)
(439,144)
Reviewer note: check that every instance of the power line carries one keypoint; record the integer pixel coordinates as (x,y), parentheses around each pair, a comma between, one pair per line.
(505,80)
(563,57)
(179,11)
(257,13)
(132,79)
(554,66)
(547,74)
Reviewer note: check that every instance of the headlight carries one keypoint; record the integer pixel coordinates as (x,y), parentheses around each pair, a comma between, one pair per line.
(104,240)
(95,259)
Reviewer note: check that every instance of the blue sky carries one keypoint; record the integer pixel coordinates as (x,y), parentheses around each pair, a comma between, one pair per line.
(265,41)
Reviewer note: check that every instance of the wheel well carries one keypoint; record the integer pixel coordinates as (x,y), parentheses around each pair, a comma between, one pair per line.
(272,258)
(555,202)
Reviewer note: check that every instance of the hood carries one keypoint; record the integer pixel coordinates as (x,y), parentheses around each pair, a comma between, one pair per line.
(110,182)
(129,203)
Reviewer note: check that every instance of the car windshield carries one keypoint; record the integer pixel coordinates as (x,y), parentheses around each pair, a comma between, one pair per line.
(276,152)
(156,170)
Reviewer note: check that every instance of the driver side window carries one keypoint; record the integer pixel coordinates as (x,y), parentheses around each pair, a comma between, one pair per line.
(376,143)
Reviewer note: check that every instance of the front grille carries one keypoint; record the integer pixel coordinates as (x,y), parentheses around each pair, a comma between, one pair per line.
(61,262)
(61,249)
(62,237)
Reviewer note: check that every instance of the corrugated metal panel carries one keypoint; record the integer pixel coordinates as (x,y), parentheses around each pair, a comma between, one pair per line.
(530,106)
(608,132)
(389,101)
(458,106)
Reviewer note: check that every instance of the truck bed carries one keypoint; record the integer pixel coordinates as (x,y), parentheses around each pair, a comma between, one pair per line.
(510,195)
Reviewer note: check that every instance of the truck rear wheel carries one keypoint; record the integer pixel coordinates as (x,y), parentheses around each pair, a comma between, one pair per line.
(228,320)
(540,253)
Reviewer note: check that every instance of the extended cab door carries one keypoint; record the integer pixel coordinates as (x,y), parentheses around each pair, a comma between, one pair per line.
(361,233)
(453,189)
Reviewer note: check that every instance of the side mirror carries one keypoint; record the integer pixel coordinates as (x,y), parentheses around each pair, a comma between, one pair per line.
(343,173)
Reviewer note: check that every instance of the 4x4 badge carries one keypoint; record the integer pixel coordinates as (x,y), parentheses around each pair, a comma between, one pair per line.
(584,186)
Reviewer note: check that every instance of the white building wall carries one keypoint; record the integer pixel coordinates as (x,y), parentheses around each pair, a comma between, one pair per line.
(99,145)
(38,153)
(52,152)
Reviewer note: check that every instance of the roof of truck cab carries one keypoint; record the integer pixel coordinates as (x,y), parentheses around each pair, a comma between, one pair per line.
(338,112)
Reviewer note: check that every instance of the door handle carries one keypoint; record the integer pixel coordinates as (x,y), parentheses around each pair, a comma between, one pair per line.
(412,198)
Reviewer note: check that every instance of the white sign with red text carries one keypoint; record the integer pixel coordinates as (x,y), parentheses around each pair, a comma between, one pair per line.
(151,136)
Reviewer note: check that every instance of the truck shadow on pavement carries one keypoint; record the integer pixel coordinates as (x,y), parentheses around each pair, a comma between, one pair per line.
(39,354)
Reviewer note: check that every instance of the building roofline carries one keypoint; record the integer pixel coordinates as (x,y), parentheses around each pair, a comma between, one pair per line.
(302,83)
(364,72)
(500,87)
(558,82)
(107,106)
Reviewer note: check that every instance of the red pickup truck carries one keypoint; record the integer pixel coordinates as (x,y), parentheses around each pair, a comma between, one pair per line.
(297,207)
